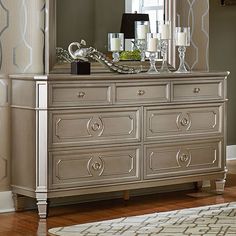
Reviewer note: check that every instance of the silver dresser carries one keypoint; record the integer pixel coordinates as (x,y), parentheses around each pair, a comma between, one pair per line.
(76,135)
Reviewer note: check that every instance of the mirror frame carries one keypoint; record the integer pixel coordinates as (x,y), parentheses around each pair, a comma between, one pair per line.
(51,41)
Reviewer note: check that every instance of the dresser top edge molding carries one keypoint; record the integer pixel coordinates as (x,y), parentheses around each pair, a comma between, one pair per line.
(113,76)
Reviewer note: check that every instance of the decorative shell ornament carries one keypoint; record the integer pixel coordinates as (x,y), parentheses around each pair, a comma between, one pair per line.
(83,53)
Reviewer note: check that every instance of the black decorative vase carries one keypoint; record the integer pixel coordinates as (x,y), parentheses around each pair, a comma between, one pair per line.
(80,68)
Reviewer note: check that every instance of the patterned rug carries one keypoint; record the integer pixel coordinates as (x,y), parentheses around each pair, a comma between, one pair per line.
(209,220)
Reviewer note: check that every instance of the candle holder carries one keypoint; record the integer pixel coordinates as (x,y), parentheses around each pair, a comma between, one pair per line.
(182,40)
(115,45)
(141,30)
(164,28)
(152,48)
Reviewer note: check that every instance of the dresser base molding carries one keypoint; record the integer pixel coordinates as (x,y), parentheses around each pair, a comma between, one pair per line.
(107,133)
(217,186)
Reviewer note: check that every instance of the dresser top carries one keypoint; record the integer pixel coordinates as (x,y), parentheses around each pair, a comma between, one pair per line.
(115,76)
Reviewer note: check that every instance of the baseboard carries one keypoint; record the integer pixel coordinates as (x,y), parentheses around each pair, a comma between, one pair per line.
(6,202)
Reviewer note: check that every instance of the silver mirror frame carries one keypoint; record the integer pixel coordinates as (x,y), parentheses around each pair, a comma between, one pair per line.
(50,33)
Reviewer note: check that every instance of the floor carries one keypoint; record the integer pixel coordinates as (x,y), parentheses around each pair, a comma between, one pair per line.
(27,223)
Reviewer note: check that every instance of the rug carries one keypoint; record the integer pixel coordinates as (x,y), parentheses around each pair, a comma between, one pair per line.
(209,220)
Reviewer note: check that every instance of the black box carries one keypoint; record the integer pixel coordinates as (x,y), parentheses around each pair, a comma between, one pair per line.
(80,68)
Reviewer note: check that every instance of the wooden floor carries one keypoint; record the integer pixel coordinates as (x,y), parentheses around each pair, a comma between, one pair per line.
(27,223)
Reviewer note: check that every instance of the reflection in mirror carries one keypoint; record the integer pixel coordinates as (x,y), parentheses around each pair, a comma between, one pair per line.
(72,20)
(92,20)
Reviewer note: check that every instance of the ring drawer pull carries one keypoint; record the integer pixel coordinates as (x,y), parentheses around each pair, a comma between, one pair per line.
(184,122)
(96,166)
(95,127)
(184,158)
(141,92)
(196,90)
(81,94)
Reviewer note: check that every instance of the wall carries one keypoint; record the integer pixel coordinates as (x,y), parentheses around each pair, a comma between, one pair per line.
(223,55)
(195,14)
(21,51)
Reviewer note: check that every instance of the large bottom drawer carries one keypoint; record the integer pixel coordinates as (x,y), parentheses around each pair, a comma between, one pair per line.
(183,158)
(90,167)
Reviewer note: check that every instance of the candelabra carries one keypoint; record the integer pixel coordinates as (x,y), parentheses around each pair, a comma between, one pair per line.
(152,48)
(164,28)
(182,39)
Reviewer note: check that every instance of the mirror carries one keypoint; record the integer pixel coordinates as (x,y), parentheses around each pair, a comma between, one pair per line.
(73,20)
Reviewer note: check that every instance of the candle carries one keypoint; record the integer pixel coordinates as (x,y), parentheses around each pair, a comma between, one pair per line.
(165,31)
(115,44)
(142,31)
(181,39)
(152,44)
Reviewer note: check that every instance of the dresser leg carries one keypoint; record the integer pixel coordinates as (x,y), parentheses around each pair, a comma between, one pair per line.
(220,186)
(126,195)
(42,208)
(198,185)
(17,203)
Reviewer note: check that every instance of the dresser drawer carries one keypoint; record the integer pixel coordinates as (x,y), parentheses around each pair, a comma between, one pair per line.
(182,158)
(80,127)
(79,94)
(142,92)
(91,167)
(190,91)
(162,122)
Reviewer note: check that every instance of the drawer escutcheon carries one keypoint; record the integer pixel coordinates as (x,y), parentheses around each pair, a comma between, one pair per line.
(80,94)
(196,90)
(141,92)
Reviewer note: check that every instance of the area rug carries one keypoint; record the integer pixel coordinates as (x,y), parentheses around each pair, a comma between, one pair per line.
(209,220)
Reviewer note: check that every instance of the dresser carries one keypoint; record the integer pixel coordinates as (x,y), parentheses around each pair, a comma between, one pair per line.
(76,135)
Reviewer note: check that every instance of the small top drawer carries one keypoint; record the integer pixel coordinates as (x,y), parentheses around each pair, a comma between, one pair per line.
(142,92)
(79,94)
(184,91)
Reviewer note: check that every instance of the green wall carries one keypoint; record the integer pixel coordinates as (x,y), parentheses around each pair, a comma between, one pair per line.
(222,55)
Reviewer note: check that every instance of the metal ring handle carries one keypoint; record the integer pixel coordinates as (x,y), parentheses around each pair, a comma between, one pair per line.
(81,94)
(95,126)
(184,122)
(141,92)
(196,90)
(96,166)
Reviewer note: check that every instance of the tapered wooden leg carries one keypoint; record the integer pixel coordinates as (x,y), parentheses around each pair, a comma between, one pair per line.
(16,201)
(198,185)
(126,195)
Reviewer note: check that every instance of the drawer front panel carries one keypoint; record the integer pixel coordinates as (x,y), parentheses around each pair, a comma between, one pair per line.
(136,93)
(79,94)
(161,123)
(80,127)
(182,159)
(197,91)
(94,166)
